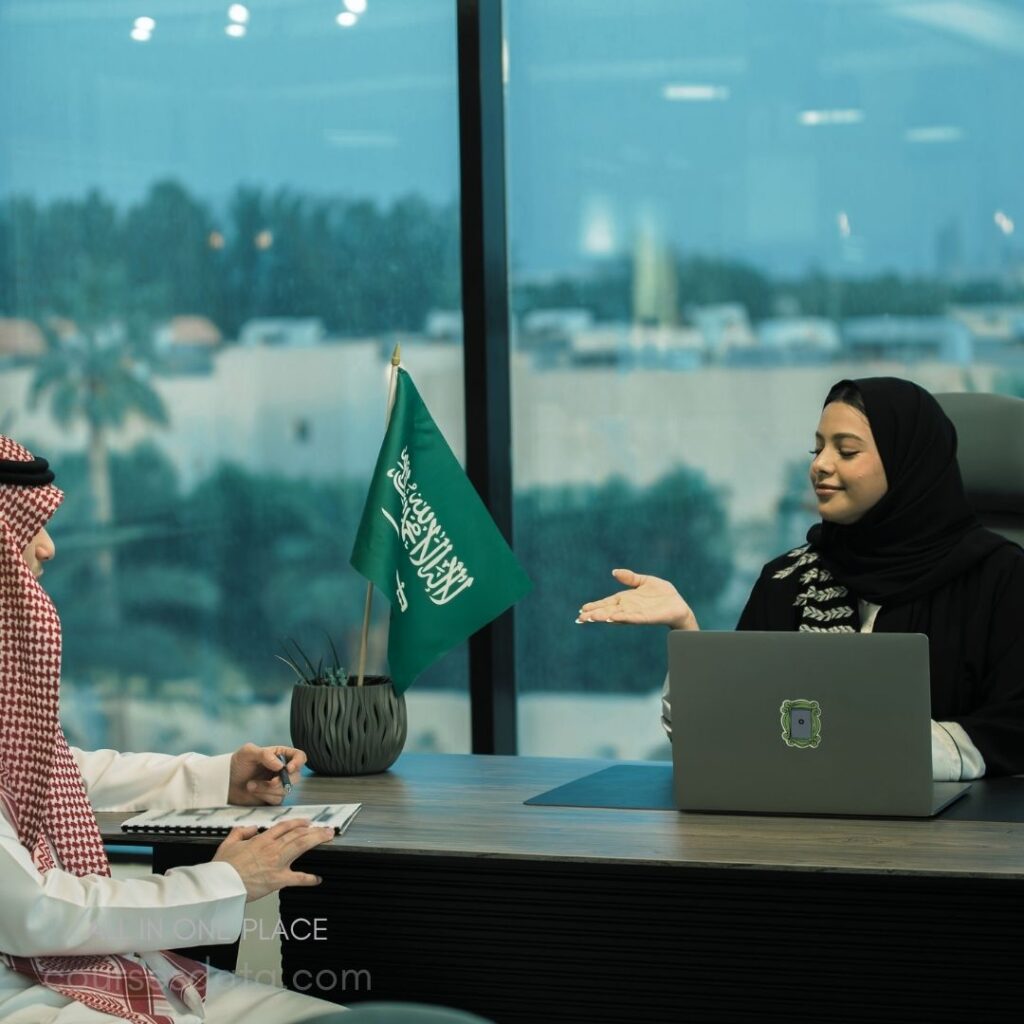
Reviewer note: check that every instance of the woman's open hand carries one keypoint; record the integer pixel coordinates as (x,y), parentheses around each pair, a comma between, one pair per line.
(649,601)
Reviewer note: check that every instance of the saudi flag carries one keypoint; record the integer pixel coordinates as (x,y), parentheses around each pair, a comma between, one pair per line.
(429,544)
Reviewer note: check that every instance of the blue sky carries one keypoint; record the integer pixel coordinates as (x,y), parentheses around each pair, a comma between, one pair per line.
(692,121)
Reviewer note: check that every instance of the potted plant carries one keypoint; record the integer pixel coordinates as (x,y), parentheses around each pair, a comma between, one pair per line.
(344,726)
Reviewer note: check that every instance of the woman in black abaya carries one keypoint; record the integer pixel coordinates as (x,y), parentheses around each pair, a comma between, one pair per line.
(898,550)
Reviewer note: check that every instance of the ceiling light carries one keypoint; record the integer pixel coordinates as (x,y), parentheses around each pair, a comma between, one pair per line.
(934,133)
(695,93)
(813,118)
(1004,223)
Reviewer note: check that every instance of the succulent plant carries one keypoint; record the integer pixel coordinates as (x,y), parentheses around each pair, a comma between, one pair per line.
(318,674)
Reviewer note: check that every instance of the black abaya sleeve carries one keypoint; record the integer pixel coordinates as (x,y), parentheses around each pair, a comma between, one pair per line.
(995,723)
(770,605)
(753,615)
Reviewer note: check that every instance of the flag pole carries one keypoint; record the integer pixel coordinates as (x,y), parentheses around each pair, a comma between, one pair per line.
(396,359)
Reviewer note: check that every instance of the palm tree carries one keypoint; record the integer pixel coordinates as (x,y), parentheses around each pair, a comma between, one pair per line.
(99,376)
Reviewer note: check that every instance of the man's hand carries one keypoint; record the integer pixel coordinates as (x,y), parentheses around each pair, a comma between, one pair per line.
(254,773)
(263,859)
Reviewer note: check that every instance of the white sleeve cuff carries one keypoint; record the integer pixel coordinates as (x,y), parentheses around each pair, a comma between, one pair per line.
(210,779)
(974,763)
(954,757)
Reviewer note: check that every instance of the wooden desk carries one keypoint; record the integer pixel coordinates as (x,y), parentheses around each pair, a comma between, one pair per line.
(448,889)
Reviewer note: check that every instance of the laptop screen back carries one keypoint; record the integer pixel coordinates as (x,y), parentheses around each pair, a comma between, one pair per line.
(811,723)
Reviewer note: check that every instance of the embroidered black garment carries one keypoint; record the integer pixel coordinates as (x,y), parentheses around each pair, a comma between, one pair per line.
(825,605)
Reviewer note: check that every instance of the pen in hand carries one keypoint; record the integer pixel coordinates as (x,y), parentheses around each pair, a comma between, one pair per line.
(283,774)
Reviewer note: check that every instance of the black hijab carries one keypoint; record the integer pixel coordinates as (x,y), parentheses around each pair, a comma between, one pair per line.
(923,532)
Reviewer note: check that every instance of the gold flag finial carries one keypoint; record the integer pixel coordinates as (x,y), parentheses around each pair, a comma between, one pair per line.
(396,356)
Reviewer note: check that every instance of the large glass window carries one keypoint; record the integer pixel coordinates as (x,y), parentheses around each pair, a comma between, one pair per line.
(216,220)
(718,208)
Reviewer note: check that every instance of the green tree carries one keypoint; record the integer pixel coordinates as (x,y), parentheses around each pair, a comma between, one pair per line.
(796,509)
(163,602)
(100,377)
(605,290)
(276,552)
(170,253)
(357,266)
(243,281)
(25,275)
(1009,383)
(569,540)
(703,281)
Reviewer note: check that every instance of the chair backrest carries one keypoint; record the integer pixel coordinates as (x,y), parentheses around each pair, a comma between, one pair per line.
(991,455)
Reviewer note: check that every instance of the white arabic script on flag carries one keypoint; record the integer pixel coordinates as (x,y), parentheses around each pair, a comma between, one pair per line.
(431,552)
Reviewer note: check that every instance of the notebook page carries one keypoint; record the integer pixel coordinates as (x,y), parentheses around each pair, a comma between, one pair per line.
(216,820)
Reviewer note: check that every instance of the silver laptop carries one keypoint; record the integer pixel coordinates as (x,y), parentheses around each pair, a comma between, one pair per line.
(803,723)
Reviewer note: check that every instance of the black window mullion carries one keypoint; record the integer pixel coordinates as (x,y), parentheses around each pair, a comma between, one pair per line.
(485,306)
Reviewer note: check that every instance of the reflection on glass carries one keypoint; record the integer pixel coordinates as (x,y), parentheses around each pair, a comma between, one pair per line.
(204,266)
(718,209)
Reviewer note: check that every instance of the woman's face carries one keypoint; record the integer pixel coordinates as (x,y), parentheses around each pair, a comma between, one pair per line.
(38,550)
(847,472)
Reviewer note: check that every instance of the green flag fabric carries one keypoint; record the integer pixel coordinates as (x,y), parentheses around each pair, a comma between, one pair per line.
(428,543)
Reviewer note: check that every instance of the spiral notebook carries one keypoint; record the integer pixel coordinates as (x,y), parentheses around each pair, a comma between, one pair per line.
(216,821)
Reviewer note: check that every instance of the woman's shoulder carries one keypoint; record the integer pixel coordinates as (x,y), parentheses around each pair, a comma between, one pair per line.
(785,575)
(772,604)
(1004,562)
(792,564)
(997,576)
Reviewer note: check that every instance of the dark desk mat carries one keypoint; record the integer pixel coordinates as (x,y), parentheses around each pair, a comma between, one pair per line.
(648,787)
(635,787)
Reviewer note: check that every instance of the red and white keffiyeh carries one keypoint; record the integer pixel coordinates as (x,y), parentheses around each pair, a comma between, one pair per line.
(41,787)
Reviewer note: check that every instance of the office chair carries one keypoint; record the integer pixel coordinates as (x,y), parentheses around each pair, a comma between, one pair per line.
(398,1013)
(991,455)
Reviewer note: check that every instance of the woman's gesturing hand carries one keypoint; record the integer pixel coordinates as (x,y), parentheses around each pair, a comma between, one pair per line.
(263,859)
(650,601)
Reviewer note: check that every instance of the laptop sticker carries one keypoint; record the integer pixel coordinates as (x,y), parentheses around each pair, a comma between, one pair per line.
(801,723)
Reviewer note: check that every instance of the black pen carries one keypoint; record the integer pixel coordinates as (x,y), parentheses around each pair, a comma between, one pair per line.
(283,775)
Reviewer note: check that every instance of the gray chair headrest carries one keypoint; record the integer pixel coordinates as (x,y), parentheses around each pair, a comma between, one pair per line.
(991,451)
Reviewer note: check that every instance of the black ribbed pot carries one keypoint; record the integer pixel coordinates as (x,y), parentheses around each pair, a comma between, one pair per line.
(349,730)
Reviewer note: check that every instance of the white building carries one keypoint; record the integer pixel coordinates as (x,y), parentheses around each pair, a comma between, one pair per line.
(799,334)
(282,332)
(725,327)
